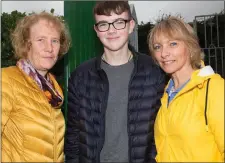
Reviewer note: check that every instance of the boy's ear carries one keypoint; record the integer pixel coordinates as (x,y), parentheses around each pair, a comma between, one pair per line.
(96,30)
(131,26)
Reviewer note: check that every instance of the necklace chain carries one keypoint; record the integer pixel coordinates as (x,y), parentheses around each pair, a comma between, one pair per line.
(130,57)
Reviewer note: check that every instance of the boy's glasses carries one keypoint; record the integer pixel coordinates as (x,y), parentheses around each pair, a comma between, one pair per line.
(118,24)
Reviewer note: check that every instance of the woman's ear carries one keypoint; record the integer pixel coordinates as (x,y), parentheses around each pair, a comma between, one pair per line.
(28,45)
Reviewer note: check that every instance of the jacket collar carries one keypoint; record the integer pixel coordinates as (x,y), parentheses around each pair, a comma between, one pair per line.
(198,78)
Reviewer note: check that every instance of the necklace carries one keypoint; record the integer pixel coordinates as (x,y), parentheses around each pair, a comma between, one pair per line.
(130,57)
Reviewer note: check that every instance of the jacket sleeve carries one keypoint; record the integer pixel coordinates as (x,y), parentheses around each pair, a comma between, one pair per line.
(160,85)
(215,112)
(7,99)
(7,107)
(71,148)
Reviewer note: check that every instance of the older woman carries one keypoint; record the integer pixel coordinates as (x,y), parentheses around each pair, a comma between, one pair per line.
(190,123)
(32,122)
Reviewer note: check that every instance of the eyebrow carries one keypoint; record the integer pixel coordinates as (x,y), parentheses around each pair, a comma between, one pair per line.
(169,41)
(38,37)
(104,21)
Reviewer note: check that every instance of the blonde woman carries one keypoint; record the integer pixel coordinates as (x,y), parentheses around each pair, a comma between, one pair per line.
(189,126)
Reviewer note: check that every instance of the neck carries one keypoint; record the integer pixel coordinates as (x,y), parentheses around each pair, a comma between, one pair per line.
(179,78)
(42,73)
(116,58)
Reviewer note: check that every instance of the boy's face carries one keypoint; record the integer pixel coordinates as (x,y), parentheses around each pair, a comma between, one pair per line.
(114,39)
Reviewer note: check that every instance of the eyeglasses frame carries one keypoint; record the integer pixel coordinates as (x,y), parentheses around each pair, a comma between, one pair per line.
(125,20)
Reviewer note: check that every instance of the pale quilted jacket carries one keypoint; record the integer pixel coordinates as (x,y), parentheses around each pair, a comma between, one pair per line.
(32,131)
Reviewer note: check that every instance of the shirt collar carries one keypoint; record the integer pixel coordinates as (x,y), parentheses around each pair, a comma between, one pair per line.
(171,85)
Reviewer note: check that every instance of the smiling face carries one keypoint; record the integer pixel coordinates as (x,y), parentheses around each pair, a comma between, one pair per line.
(174,45)
(44,46)
(114,39)
(172,55)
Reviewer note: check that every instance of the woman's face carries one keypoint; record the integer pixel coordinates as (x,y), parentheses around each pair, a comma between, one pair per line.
(44,46)
(172,55)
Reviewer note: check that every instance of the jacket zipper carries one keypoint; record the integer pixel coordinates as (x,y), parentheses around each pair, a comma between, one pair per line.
(128,117)
(54,137)
(51,116)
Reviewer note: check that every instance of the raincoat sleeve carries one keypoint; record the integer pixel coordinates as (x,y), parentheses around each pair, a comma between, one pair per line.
(7,99)
(216,112)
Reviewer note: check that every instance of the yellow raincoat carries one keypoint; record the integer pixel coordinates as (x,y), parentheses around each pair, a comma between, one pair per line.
(181,132)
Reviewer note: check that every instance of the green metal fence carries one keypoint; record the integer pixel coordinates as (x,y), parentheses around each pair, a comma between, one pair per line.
(85,44)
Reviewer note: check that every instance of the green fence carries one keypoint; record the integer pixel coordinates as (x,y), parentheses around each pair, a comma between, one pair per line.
(85,44)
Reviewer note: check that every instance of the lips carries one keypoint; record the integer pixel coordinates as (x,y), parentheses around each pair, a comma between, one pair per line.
(112,38)
(48,57)
(168,62)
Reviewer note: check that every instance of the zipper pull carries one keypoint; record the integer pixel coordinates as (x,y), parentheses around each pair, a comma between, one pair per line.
(207,128)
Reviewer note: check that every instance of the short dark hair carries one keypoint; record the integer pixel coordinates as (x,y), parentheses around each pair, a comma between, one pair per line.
(107,7)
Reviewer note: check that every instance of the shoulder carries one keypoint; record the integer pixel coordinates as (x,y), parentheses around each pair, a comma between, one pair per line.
(147,61)
(216,101)
(216,88)
(11,72)
(6,70)
(89,64)
(216,92)
(216,83)
(11,76)
(85,67)
(147,64)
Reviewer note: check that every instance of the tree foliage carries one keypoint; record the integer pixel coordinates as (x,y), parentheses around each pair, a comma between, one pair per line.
(143,30)
(8,24)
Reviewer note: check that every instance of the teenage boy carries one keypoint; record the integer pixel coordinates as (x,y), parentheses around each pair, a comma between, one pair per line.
(113,99)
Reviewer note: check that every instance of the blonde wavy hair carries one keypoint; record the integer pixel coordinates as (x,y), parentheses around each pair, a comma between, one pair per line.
(175,28)
(21,33)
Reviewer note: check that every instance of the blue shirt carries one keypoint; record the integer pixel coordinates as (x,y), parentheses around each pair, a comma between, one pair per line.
(171,91)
